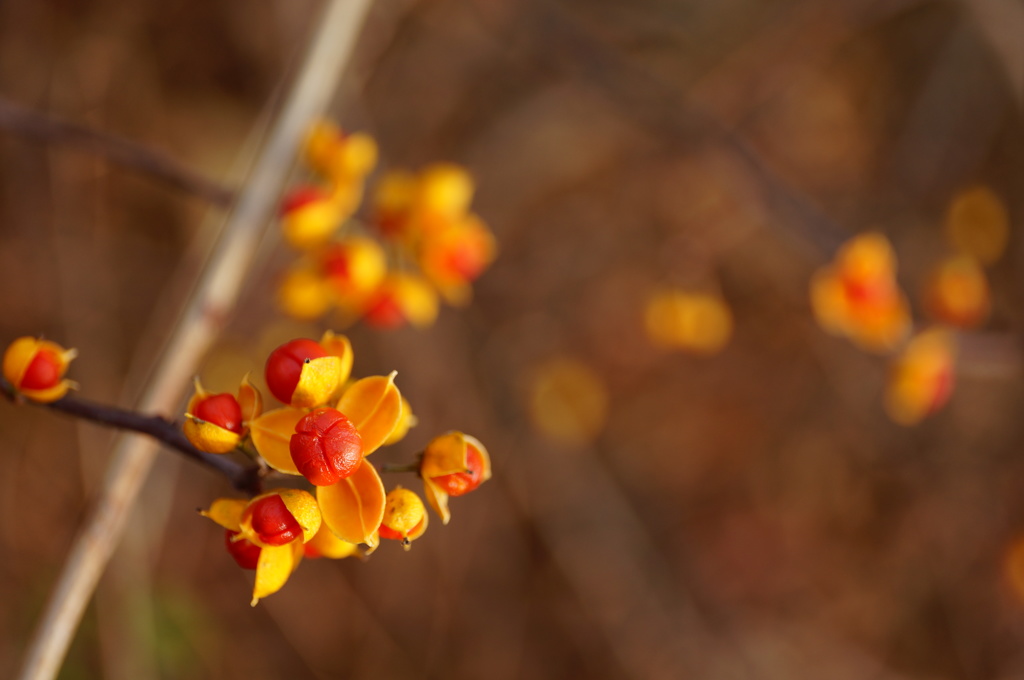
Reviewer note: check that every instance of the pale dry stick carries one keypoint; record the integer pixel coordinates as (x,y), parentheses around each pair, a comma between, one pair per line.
(206,311)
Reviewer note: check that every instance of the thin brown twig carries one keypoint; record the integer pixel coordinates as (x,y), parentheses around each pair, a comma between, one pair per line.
(41,127)
(246,478)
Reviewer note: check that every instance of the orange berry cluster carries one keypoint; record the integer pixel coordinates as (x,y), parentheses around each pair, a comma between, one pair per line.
(857,296)
(420,243)
(324,432)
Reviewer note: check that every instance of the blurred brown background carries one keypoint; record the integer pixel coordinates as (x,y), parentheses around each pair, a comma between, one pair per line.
(749,515)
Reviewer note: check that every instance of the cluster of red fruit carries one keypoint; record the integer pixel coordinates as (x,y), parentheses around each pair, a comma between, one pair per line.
(324,431)
(437,246)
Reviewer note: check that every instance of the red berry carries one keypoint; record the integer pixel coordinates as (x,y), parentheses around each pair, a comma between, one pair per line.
(246,553)
(385,312)
(272,522)
(284,366)
(465,260)
(338,263)
(43,371)
(326,447)
(460,483)
(222,410)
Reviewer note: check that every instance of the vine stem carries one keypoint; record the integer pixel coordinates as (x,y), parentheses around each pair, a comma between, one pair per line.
(26,123)
(204,315)
(246,478)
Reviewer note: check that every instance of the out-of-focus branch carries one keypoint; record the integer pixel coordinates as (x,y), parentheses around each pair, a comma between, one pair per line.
(203,316)
(25,122)
(245,478)
(1002,22)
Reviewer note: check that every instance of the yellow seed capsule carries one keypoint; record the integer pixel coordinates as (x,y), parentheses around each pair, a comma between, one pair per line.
(339,156)
(857,295)
(304,294)
(326,544)
(402,298)
(921,378)
(445,189)
(453,464)
(310,216)
(36,367)
(405,517)
(354,268)
(957,293)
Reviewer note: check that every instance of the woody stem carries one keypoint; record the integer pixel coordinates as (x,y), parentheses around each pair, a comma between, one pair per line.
(245,478)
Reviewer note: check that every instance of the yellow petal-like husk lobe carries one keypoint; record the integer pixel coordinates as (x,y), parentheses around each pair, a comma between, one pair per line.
(354,507)
(271,434)
(226,512)
(374,405)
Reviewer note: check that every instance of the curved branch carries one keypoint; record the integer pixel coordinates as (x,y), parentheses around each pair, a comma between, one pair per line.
(245,478)
(42,127)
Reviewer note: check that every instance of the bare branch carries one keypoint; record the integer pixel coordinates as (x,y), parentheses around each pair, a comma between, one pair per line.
(38,126)
(246,478)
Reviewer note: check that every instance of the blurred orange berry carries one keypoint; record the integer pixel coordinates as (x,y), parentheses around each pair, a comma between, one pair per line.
(443,196)
(957,293)
(694,322)
(339,156)
(305,294)
(857,296)
(310,216)
(35,368)
(454,257)
(392,201)
(921,378)
(354,268)
(568,401)
(977,224)
(1013,568)
(402,298)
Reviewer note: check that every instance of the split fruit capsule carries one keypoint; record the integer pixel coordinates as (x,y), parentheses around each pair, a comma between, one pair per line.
(326,447)
(310,216)
(302,373)
(36,367)
(268,533)
(453,465)
(405,517)
(402,299)
(215,423)
(245,553)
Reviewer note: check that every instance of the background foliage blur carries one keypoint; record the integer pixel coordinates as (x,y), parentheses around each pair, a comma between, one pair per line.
(653,514)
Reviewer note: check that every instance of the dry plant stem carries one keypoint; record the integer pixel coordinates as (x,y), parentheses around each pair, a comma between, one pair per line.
(204,315)
(35,125)
(245,478)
